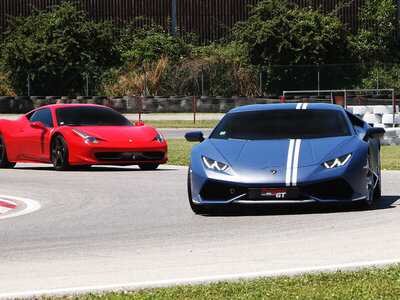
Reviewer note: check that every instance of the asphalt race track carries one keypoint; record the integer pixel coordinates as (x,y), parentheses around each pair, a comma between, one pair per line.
(114,227)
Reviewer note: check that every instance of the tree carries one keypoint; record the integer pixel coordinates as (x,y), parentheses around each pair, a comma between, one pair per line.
(51,42)
(280,33)
(150,43)
(376,39)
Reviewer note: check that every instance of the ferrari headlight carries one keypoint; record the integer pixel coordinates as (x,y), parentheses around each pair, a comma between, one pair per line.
(337,162)
(159,137)
(86,137)
(213,164)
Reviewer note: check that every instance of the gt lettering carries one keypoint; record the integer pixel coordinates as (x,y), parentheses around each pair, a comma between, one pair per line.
(279,194)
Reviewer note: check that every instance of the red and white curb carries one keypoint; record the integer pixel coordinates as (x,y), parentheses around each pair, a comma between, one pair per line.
(6,206)
(16,206)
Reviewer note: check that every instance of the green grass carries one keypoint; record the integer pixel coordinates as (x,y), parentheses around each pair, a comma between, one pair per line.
(181,123)
(390,157)
(364,284)
(179,154)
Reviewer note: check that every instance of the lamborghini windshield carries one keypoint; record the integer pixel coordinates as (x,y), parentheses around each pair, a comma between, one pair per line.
(282,124)
(90,116)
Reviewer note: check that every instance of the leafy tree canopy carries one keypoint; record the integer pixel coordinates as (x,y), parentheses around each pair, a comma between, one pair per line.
(61,38)
(280,33)
(376,40)
(150,43)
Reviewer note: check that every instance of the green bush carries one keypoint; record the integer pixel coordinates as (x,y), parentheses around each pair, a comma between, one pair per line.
(150,43)
(280,33)
(377,38)
(50,44)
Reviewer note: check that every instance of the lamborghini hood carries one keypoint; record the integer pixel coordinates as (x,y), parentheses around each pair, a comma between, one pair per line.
(120,133)
(275,153)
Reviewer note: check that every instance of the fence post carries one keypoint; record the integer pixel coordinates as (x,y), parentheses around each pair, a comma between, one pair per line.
(261,81)
(319,82)
(394,108)
(202,80)
(194,109)
(144,81)
(377,78)
(173,17)
(87,83)
(140,108)
(29,84)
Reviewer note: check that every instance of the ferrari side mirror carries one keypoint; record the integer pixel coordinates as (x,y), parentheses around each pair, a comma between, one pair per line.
(139,123)
(38,125)
(194,136)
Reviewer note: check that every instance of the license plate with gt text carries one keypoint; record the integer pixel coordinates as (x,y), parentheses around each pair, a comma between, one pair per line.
(273,193)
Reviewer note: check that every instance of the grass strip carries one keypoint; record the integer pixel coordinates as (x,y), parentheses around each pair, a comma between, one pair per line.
(181,123)
(390,157)
(363,284)
(179,154)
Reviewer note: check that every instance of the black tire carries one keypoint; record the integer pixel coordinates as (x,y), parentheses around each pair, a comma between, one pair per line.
(378,189)
(59,153)
(197,209)
(4,162)
(370,185)
(148,167)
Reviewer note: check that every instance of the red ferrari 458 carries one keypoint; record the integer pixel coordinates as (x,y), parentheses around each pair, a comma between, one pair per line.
(79,135)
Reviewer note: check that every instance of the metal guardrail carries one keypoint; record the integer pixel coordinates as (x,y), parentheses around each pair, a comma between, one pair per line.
(345,94)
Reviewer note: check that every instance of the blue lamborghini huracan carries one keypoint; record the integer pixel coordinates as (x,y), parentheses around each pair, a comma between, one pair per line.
(285,153)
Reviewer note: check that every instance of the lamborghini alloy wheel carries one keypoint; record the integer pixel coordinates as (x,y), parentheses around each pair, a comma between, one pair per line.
(370,184)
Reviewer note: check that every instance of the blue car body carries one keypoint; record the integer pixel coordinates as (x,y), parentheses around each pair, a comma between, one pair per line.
(264,154)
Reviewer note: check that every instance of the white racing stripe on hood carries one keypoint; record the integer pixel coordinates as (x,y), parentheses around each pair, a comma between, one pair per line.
(289,162)
(293,156)
(296,162)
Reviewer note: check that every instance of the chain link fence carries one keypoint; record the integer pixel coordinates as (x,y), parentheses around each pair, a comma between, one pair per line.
(218,86)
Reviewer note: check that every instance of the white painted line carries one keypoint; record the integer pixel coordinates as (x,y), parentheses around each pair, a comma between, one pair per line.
(31,206)
(198,280)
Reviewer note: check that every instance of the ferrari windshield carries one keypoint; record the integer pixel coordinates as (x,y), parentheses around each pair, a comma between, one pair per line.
(90,116)
(282,124)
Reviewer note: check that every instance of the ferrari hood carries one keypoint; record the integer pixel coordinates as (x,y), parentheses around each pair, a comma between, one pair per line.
(276,153)
(120,133)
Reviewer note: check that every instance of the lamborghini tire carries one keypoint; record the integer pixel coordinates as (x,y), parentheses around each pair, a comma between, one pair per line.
(197,209)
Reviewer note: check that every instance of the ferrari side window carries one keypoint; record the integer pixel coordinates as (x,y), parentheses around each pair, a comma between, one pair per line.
(44,116)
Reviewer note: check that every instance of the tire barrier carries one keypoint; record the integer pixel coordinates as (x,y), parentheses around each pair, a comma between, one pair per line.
(132,104)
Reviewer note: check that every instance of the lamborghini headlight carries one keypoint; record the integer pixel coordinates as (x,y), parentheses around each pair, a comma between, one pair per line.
(337,162)
(89,138)
(213,164)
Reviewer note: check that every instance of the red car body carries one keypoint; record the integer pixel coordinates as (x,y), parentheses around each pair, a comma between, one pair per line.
(91,142)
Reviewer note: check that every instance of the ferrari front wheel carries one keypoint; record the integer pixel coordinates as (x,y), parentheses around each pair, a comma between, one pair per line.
(59,153)
(148,167)
(4,162)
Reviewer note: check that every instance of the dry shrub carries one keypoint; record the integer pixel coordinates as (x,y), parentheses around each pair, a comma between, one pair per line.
(5,88)
(129,80)
(221,77)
